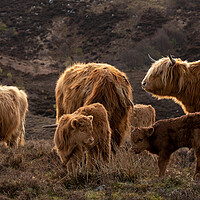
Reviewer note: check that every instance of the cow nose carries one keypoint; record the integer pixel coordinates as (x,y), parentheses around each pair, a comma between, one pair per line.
(143,83)
(91,139)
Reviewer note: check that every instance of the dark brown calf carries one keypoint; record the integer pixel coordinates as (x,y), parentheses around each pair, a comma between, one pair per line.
(166,136)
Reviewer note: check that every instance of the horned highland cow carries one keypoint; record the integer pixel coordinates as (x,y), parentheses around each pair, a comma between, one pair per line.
(13,107)
(142,116)
(84,84)
(175,79)
(168,135)
(87,130)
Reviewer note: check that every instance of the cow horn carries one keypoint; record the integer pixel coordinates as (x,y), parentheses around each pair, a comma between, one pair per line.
(173,61)
(50,126)
(151,59)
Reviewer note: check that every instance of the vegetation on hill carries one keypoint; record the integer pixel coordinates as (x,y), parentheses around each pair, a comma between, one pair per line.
(39,38)
(35,172)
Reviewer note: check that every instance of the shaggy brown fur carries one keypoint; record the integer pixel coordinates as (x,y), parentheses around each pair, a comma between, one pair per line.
(179,80)
(84,84)
(13,107)
(166,136)
(142,116)
(71,145)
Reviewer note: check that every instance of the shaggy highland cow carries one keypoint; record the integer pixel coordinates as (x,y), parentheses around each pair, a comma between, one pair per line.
(85,130)
(168,135)
(176,79)
(13,107)
(84,84)
(142,116)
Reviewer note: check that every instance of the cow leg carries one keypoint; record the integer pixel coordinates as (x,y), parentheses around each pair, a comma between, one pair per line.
(92,158)
(72,167)
(163,162)
(196,147)
(197,167)
(21,133)
(105,153)
(13,140)
(59,107)
(116,140)
(75,161)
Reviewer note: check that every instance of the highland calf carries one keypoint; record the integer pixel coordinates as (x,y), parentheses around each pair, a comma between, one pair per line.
(176,79)
(87,131)
(166,136)
(142,116)
(13,107)
(84,84)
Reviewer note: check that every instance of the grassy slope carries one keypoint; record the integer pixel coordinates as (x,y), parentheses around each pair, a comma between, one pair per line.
(35,172)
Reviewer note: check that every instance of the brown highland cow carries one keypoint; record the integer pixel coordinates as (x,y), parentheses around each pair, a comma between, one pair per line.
(84,84)
(13,107)
(176,79)
(142,116)
(168,135)
(85,130)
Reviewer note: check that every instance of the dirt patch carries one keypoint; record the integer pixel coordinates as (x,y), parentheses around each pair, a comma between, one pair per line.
(34,127)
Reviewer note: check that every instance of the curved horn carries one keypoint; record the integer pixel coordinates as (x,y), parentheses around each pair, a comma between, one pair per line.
(151,59)
(50,126)
(173,61)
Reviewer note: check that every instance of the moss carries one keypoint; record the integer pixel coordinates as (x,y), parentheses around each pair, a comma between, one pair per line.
(3,27)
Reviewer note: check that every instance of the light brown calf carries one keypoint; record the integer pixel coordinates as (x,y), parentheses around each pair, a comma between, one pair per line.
(85,130)
(142,116)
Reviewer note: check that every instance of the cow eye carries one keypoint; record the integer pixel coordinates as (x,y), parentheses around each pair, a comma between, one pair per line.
(139,140)
(81,129)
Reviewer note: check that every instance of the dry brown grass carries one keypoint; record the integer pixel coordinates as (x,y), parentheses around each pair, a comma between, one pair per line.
(35,172)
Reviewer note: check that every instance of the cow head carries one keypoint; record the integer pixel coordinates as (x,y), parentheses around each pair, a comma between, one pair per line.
(165,77)
(73,130)
(82,129)
(140,139)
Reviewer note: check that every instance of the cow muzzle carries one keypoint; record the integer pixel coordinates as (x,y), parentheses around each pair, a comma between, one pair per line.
(143,83)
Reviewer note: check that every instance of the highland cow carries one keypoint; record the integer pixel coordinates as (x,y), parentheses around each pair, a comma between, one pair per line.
(84,84)
(142,116)
(13,107)
(85,130)
(175,79)
(168,135)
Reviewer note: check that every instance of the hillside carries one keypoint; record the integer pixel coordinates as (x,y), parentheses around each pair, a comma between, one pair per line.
(39,38)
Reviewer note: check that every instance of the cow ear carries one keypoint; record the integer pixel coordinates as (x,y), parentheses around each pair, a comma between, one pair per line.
(90,117)
(74,123)
(133,128)
(149,131)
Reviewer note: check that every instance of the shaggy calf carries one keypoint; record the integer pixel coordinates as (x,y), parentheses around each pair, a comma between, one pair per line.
(166,136)
(85,130)
(175,79)
(13,107)
(84,84)
(142,116)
